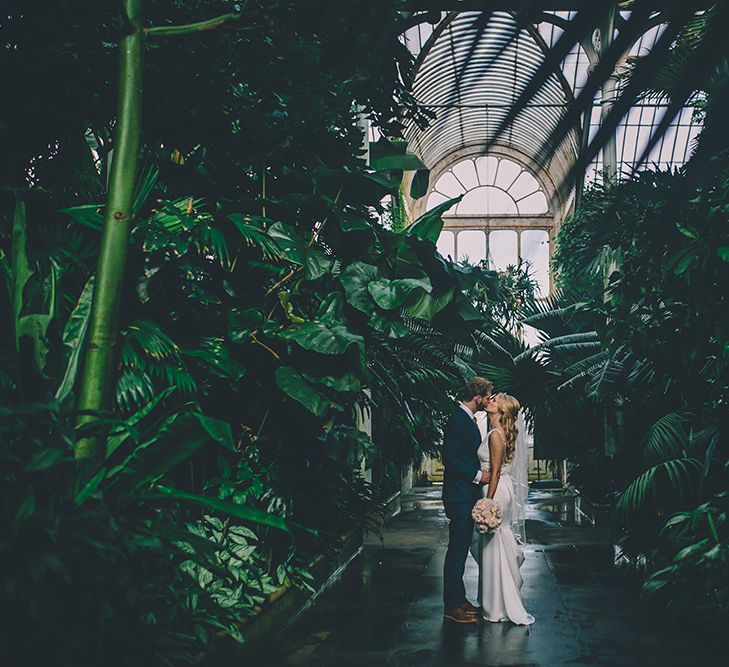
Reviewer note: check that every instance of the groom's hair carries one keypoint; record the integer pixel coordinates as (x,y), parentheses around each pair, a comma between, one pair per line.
(477,386)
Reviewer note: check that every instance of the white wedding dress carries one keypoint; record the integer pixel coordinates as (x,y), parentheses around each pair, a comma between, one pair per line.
(498,554)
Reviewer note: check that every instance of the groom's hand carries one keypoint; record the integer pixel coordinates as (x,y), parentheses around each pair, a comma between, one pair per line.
(485,476)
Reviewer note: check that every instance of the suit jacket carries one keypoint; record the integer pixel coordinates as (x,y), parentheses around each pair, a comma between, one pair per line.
(461,440)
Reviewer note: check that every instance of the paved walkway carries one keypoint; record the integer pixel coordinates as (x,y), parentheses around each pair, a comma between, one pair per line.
(386,608)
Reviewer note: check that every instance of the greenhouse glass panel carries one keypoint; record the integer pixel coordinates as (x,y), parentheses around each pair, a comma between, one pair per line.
(507,173)
(465,172)
(474,202)
(535,250)
(498,202)
(435,199)
(502,249)
(446,244)
(486,167)
(449,185)
(471,246)
(535,204)
(524,186)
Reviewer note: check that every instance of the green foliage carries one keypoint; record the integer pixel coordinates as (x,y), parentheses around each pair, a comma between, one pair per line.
(262,296)
(102,572)
(639,339)
(694,549)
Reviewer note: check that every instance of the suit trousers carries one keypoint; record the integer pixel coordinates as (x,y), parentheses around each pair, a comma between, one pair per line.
(460,534)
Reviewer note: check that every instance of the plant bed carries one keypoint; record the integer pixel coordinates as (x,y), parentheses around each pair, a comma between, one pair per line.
(281,608)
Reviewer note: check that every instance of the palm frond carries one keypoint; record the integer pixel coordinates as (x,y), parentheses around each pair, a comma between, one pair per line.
(585,365)
(146,181)
(150,338)
(666,438)
(644,71)
(212,242)
(255,234)
(178,214)
(680,475)
(152,359)
(641,373)
(707,438)
(173,375)
(133,389)
(496,341)
(610,373)
(503,378)
(696,74)
(582,375)
(216,358)
(588,340)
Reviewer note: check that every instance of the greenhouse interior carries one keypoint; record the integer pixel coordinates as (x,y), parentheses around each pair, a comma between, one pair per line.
(380,332)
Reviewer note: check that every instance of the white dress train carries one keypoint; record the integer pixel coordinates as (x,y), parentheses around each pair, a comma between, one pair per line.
(499,556)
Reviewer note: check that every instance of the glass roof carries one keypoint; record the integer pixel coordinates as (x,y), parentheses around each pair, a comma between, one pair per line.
(470,69)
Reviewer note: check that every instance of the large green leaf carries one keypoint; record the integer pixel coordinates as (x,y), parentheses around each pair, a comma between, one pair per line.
(392,328)
(428,306)
(74,334)
(346,382)
(404,162)
(21,270)
(35,326)
(420,183)
(323,338)
(294,248)
(243,322)
(355,279)
(294,385)
(316,263)
(389,294)
(32,325)
(429,225)
(290,242)
(218,430)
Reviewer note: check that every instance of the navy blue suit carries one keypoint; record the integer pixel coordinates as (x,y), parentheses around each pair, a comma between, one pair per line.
(460,444)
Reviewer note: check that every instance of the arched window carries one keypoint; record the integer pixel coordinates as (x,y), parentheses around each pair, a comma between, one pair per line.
(503,216)
(491,186)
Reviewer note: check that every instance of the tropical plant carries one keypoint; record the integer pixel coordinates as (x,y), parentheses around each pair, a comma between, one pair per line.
(694,550)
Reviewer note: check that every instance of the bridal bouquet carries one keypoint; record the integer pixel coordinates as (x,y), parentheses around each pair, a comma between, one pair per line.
(486,514)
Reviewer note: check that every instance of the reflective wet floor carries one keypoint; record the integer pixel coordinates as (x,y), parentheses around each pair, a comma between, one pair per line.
(386,608)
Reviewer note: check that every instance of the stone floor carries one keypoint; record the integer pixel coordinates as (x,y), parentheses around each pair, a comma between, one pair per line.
(386,607)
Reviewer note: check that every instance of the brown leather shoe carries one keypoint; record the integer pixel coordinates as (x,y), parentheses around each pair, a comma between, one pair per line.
(458,615)
(471,609)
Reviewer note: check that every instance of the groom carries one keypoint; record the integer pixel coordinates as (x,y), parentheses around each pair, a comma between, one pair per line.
(461,489)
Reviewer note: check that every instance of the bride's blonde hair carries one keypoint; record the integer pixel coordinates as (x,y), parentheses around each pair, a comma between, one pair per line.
(509,410)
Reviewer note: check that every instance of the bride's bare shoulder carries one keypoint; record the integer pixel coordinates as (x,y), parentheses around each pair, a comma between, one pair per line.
(496,437)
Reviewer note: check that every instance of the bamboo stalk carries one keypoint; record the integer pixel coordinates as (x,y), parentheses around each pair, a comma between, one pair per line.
(97,381)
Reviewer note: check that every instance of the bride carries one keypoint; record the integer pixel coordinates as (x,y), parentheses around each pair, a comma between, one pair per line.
(498,554)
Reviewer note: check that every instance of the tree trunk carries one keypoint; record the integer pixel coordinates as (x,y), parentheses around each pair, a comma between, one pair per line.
(97,380)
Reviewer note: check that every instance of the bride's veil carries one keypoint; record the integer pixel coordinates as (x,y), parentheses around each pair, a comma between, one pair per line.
(521,480)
